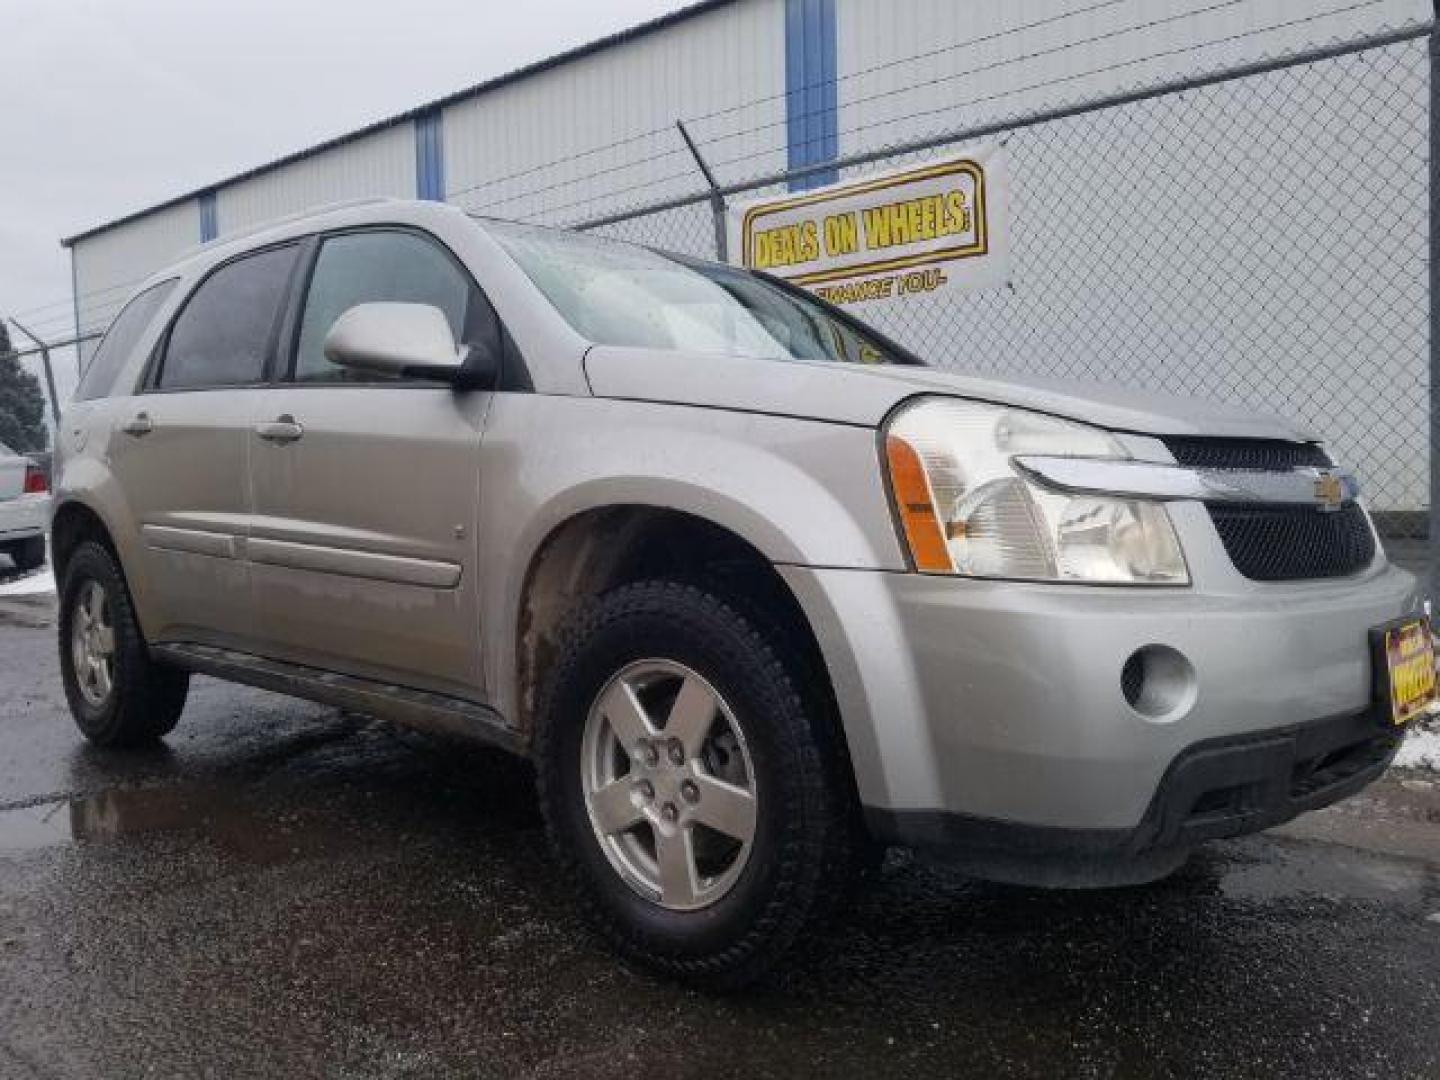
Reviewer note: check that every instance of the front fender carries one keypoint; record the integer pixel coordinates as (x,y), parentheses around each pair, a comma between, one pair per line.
(801,492)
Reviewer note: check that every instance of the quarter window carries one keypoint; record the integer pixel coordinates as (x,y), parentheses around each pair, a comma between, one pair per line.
(358,268)
(224,335)
(120,341)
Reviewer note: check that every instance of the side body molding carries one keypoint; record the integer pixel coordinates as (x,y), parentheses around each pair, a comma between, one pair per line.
(399,569)
(218,545)
(349,562)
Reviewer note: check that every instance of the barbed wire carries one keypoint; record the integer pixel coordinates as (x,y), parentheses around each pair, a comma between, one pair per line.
(713,140)
(1077,76)
(782,95)
(96,309)
(778,148)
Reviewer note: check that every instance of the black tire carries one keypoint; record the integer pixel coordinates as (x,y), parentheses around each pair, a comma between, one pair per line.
(28,554)
(145,698)
(802,855)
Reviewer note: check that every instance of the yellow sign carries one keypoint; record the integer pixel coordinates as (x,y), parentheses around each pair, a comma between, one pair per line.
(1410,658)
(885,237)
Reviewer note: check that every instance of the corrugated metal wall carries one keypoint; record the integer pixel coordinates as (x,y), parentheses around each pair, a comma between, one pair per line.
(379,164)
(596,134)
(523,149)
(529,149)
(109,265)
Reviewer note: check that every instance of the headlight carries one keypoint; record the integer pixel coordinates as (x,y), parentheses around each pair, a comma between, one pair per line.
(964,509)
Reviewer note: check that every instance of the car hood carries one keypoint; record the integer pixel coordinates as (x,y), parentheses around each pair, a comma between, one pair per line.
(856,394)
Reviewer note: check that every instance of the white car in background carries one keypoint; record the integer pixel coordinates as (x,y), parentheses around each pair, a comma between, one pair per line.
(24,509)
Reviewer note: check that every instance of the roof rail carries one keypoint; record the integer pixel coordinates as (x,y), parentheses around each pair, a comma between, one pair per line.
(299,215)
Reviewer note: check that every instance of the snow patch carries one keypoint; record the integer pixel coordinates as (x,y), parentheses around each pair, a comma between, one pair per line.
(40,583)
(1421,749)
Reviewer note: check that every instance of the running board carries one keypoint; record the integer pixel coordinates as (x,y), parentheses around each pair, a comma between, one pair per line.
(412,708)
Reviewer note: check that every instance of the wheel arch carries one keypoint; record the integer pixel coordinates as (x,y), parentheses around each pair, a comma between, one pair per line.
(601,548)
(72,523)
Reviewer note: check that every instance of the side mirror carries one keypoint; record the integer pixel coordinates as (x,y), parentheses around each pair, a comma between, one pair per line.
(404,340)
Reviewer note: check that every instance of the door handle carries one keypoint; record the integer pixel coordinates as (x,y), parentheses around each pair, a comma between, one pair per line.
(141,424)
(283,429)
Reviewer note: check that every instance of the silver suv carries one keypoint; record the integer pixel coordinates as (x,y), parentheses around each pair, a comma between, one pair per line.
(757,589)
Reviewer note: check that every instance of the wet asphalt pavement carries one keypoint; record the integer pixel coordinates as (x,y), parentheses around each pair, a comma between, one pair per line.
(283,891)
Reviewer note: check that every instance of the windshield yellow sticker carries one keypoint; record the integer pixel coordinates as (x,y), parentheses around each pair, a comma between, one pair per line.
(885,237)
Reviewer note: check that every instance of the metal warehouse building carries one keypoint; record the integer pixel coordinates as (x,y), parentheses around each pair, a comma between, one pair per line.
(1234,219)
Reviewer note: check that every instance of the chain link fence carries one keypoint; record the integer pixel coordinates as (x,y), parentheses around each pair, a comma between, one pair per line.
(1257,236)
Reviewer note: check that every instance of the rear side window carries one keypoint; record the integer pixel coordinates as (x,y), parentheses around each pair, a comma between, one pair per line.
(120,341)
(358,268)
(226,331)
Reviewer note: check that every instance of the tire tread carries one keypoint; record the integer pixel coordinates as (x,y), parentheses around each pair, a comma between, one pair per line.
(148,697)
(814,861)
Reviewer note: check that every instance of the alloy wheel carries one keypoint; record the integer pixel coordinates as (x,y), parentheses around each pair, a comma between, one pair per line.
(92,643)
(669,785)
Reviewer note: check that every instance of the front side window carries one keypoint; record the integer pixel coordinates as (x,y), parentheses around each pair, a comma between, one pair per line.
(614,293)
(386,265)
(225,332)
(120,341)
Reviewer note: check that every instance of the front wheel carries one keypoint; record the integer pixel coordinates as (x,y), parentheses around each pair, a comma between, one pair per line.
(686,785)
(118,695)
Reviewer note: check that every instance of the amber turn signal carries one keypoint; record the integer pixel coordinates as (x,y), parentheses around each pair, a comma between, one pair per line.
(916,508)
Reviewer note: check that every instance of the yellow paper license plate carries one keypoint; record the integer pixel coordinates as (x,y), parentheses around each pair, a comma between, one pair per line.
(1408,655)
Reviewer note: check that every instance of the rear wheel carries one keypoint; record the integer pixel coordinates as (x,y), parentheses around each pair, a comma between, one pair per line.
(118,695)
(28,554)
(685,785)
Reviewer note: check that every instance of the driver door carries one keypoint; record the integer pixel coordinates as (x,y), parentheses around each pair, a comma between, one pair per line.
(366,490)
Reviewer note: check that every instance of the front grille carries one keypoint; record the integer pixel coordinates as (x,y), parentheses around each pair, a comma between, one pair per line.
(1270,455)
(1279,543)
(1290,543)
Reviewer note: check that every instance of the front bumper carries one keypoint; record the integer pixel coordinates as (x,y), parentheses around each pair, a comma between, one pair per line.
(1003,701)
(1219,788)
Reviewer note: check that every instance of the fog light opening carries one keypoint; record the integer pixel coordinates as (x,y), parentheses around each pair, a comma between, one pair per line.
(1158,682)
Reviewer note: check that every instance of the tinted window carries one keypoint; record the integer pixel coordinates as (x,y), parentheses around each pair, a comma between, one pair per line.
(358,268)
(223,336)
(120,341)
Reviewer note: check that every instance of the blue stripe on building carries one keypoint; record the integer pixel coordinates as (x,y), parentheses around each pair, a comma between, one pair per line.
(430,157)
(209,218)
(811,113)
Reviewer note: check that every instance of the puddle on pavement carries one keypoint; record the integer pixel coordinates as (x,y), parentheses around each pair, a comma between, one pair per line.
(313,808)
(1324,871)
(111,815)
(105,816)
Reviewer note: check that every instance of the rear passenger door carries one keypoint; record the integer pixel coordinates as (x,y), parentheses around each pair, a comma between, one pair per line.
(367,490)
(181,449)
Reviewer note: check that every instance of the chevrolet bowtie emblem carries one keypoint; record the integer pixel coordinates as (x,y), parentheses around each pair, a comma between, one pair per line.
(1329,491)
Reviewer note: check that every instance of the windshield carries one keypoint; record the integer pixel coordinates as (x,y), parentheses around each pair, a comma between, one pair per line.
(614,293)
